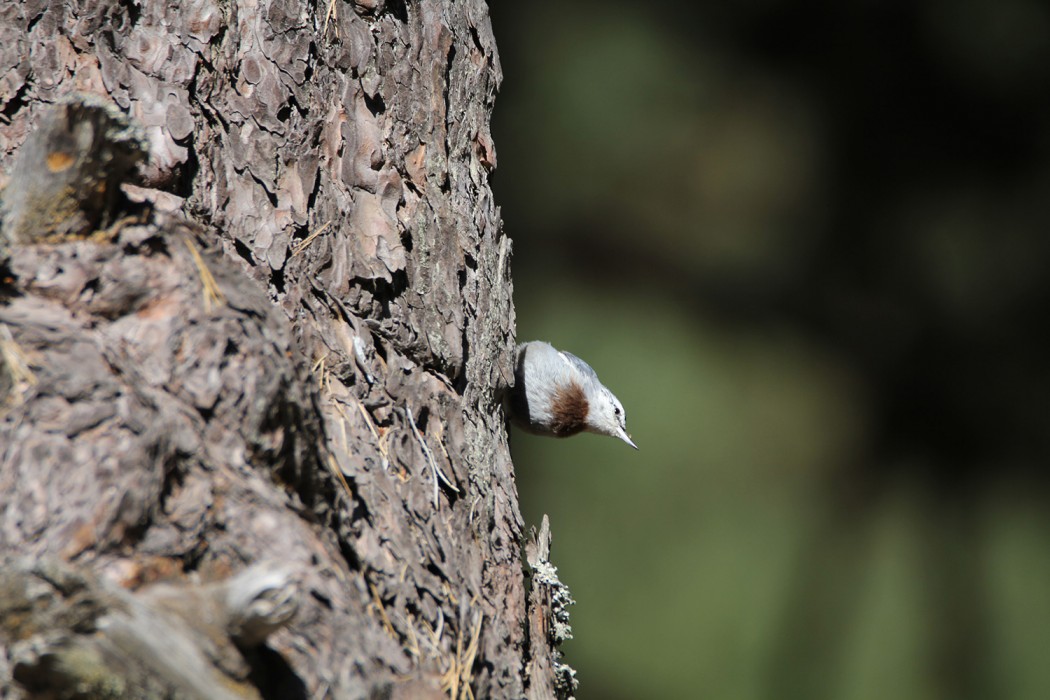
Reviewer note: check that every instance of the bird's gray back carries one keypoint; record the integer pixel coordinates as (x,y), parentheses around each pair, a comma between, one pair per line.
(539,370)
(579,365)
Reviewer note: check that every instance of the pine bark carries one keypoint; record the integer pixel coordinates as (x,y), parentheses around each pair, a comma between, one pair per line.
(285,342)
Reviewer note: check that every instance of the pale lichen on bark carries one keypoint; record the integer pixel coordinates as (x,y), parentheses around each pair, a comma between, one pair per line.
(549,626)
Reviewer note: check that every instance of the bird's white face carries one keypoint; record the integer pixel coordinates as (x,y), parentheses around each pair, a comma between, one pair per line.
(608,417)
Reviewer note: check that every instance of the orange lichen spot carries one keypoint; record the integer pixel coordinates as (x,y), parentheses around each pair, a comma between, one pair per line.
(57,161)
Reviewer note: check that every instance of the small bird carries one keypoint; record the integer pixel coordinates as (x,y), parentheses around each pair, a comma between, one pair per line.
(557,394)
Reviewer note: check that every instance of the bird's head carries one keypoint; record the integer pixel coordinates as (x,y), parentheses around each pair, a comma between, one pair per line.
(606,416)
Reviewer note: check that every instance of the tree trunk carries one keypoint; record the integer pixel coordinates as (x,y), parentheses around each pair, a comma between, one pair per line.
(287,344)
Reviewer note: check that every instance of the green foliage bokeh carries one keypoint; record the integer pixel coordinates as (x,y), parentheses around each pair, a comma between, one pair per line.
(805,245)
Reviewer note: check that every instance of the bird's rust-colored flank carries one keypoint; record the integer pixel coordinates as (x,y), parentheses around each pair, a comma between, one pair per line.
(569,410)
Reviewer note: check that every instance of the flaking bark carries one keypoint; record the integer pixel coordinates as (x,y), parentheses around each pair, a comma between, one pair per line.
(289,341)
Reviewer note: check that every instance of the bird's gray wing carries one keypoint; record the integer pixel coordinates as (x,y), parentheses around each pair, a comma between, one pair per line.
(579,364)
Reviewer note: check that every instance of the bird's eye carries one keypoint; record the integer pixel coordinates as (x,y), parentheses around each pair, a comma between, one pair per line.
(616,411)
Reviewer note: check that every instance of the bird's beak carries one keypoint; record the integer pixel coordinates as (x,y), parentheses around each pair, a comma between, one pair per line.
(626,438)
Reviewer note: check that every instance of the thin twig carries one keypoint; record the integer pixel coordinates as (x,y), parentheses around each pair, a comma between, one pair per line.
(380,443)
(15,358)
(334,466)
(382,611)
(329,14)
(302,245)
(434,468)
(460,674)
(320,369)
(210,288)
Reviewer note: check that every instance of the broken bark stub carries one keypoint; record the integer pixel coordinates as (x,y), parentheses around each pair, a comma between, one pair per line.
(66,180)
(72,635)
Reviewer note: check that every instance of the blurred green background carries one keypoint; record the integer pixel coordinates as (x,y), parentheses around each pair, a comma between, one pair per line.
(807,247)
